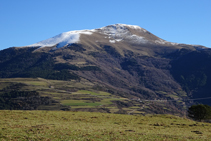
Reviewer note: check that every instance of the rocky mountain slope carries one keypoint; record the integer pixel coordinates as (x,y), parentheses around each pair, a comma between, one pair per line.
(123,59)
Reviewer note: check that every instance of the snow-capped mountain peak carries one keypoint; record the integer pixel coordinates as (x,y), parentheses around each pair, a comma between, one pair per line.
(114,33)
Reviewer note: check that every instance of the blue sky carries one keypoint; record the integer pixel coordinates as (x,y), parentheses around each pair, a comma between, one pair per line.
(24,22)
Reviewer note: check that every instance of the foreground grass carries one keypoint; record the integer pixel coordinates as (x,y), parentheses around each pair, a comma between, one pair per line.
(58,125)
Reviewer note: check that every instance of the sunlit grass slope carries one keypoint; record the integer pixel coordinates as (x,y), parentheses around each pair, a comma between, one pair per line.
(80,126)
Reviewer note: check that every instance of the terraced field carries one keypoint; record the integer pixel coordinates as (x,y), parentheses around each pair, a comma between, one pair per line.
(76,96)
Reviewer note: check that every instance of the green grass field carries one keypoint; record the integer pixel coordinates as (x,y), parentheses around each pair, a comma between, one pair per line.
(79,103)
(80,126)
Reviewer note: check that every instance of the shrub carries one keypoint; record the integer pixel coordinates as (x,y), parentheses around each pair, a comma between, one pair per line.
(199,112)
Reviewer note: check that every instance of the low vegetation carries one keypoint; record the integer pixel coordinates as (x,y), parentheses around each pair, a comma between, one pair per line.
(200,112)
(66,125)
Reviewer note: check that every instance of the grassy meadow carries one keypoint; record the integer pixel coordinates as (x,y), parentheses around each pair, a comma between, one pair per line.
(82,126)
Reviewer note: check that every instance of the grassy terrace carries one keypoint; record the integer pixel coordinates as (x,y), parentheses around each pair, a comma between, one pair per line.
(77,95)
(80,126)
(79,103)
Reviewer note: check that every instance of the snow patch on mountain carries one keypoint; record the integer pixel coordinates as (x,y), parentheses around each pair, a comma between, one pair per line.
(137,39)
(119,32)
(112,41)
(63,39)
(161,41)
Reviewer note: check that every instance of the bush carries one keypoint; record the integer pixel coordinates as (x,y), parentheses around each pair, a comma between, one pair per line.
(199,112)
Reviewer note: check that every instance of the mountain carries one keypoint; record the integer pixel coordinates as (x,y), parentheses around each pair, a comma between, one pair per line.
(125,60)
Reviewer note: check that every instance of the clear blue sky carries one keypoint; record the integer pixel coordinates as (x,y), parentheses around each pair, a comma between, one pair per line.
(24,22)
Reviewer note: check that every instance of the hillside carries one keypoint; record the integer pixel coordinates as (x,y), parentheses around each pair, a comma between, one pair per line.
(57,125)
(43,94)
(122,60)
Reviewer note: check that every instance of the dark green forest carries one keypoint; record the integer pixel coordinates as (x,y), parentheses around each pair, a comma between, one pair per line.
(13,98)
(192,70)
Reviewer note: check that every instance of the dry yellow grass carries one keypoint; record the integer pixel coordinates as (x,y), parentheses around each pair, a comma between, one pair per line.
(80,126)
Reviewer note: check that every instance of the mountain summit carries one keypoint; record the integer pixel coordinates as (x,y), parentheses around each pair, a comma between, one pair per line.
(113,33)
